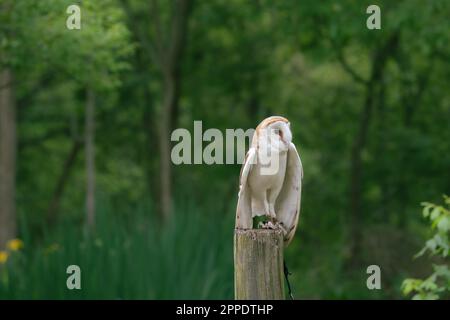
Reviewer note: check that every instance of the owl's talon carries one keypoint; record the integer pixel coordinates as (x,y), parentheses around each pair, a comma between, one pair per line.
(281,226)
(269,225)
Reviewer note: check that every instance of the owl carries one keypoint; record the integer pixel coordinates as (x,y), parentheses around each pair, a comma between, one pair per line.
(271,179)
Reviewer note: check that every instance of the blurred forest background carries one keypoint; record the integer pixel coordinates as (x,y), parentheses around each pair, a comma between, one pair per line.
(86,117)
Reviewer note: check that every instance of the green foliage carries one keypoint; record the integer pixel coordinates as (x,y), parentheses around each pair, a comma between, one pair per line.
(243,61)
(189,258)
(438,283)
(97,51)
(35,36)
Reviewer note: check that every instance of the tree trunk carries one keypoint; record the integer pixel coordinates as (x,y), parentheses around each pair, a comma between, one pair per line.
(170,60)
(379,60)
(150,144)
(52,213)
(166,52)
(411,94)
(90,159)
(380,148)
(164,145)
(356,172)
(8,143)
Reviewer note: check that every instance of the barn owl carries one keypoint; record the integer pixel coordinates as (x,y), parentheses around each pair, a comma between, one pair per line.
(270,180)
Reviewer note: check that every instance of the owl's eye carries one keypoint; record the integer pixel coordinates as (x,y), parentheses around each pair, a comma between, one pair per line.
(280,133)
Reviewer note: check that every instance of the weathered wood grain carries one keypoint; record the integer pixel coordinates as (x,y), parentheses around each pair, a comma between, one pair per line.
(258,264)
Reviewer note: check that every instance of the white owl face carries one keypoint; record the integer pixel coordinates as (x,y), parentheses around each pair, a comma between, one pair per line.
(282,130)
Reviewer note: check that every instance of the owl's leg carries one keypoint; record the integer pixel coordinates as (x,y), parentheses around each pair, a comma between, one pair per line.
(260,206)
(266,204)
(272,196)
(270,206)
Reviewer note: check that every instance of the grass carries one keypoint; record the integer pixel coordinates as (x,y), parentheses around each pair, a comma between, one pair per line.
(189,257)
(132,255)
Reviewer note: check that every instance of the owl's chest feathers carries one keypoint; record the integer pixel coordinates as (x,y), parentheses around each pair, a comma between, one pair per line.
(259,180)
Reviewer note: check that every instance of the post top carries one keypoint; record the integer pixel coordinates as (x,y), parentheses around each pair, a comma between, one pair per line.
(258,231)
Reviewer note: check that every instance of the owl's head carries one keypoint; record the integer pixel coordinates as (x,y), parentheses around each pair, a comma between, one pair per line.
(278,125)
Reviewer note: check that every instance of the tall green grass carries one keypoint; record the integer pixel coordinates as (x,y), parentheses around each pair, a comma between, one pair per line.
(131,257)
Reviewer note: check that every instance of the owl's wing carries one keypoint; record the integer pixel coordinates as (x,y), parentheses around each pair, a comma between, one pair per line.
(287,206)
(244,205)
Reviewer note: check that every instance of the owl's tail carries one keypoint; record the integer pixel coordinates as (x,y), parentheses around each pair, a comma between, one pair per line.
(286,275)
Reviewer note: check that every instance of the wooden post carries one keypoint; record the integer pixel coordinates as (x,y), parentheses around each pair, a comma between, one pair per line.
(258,264)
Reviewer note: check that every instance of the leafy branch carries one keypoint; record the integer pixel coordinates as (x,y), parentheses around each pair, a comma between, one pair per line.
(438,282)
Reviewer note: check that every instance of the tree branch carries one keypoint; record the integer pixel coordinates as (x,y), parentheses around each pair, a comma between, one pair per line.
(151,50)
(346,66)
(161,46)
(62,181)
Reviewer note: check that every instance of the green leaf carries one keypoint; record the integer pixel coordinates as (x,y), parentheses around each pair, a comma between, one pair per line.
(443,224)
(410,285)
(426,209)
(431,244)
(435,213)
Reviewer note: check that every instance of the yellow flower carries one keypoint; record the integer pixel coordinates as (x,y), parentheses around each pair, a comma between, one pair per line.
(3,257)
(14,244)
